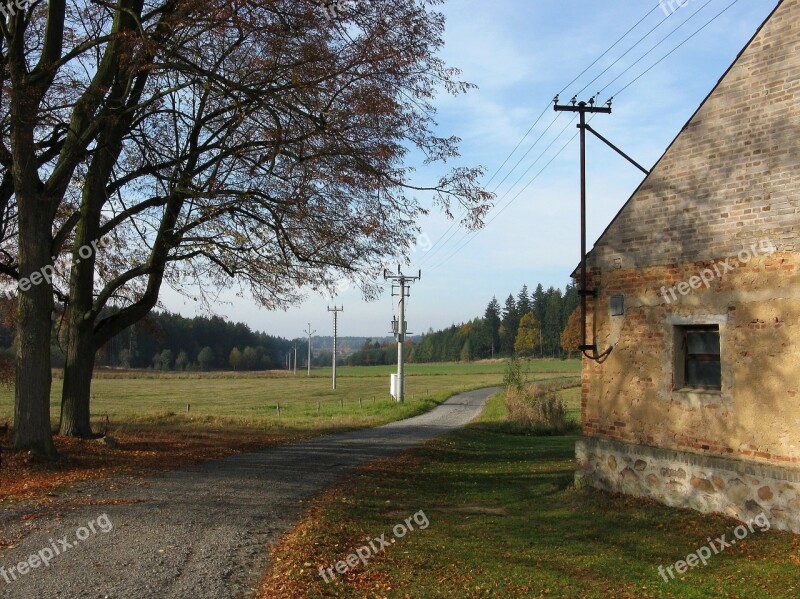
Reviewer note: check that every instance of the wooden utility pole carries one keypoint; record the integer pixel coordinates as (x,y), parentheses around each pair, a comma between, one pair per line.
(582,108)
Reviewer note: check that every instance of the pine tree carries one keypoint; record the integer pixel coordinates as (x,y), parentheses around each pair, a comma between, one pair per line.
(523,302)
(539,302)
(509,326)
(551,327)
(492,319)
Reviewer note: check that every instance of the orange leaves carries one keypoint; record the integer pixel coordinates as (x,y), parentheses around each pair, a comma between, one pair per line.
(22,477)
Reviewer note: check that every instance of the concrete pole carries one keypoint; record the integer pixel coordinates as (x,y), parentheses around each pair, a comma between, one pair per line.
(335,314)
(401,335)
(403,281)
(335,311)
(309,332)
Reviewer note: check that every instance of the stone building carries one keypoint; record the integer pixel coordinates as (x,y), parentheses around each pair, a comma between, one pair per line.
(698,403)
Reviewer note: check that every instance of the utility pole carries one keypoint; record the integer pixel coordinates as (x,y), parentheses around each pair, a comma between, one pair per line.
(295,358)
(309,332)
(400,327)
(582,108)
(335,311)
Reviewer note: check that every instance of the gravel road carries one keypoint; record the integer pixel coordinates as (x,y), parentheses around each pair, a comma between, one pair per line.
(195,533)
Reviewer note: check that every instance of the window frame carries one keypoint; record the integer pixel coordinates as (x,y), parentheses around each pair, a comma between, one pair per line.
(683,357)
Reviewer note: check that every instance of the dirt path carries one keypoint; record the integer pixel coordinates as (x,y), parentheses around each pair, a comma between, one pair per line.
(196,533)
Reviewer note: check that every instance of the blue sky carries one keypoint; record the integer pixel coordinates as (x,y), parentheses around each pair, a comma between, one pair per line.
(521,53)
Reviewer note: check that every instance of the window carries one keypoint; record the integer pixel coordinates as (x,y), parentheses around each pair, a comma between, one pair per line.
(697,364)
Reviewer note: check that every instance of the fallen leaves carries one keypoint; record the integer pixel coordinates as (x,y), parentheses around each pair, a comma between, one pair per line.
(139,449)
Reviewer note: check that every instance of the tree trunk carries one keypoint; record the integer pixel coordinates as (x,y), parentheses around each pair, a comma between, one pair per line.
(81,344)
(34,325)
(78,377)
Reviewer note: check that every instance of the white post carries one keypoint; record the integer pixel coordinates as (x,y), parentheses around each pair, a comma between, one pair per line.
(309,332)
(400,328)
(401,335)
(335,311)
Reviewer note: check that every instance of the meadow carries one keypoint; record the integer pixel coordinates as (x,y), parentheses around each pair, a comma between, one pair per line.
(160,420)
(252,398)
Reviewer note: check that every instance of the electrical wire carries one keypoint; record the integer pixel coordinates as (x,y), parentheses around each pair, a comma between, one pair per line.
(660,60)
(470,235)
(435,247)
(624,54)
(664,39)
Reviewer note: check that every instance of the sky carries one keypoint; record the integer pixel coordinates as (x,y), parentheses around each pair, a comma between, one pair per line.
(520,54)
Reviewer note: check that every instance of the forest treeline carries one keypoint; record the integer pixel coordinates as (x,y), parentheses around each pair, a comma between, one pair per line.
(526,325)
(164,341)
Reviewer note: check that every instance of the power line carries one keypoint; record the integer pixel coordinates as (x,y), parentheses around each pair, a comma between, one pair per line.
(641,39)
(429,255)
(435,248)
(664,39)
(472,234)
(611,47)
(560,133)
(528,152)
(469,236)
(519,143)
(719,14)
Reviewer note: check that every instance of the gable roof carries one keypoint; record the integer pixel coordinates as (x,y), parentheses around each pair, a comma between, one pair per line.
(711,121)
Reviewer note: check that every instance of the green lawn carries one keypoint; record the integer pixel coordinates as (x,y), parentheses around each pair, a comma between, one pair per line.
(251,399)
(506,521)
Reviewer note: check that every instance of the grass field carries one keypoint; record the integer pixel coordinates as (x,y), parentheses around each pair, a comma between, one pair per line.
(506,521)
(251,399)
(145,413)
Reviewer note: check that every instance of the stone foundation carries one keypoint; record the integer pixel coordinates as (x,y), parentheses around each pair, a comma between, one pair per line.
(736,488)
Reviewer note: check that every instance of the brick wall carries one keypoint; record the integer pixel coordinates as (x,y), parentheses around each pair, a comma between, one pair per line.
(729,183)
(631,396)
(732,177)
